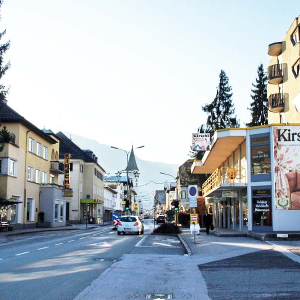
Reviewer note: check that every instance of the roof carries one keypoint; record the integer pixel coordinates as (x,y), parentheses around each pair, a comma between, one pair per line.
(67,146)
(160,195)
(110,189)
(8,115)
(132,166)
(225,142)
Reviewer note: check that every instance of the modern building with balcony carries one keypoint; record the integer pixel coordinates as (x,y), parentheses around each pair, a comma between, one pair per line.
(283,74)
(25,169)
(253,184)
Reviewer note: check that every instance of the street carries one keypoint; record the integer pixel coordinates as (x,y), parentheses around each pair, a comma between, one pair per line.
(98,264)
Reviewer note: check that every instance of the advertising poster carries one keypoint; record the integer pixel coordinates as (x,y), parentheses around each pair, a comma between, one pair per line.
(287,167)
(200,141)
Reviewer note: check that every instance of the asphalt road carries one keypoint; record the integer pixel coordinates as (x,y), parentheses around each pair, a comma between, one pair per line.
(59,265)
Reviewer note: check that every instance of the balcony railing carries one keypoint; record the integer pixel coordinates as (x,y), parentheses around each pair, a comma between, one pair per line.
(275,74)
(222,176)
(56,167)
(276,102)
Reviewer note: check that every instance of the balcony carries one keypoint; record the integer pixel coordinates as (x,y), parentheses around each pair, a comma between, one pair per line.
(275,74)
(275,49)
(223,177)
(276,102)
(56,167)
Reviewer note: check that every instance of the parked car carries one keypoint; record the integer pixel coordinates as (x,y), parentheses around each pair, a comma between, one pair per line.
(130,224)
(161,219)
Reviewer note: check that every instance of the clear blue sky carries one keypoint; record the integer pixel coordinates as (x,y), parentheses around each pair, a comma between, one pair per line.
(135,71)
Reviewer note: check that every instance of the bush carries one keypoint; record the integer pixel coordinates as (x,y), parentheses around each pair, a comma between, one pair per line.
(167,229)
(184,219)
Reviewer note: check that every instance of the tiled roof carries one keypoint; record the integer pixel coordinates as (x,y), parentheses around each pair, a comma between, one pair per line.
(8,115)
(67,146)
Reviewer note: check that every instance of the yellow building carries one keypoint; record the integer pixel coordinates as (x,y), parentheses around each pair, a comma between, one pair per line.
(284,77)
(28,162)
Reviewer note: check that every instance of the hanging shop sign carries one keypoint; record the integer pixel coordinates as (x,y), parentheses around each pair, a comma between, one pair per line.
(229,194)
(68,193)
(200,141)
(67,171)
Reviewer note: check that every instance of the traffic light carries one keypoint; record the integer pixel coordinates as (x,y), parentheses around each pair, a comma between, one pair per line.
(176,203)
(127,205)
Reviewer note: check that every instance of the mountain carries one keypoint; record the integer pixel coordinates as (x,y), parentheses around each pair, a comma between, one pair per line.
(113,161)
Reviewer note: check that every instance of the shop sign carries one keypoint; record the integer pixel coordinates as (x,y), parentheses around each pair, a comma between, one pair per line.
(67,171)
(286,141)
(200,141)
(123,202)
(266,192)
(229,194)
(194,219)
(68,193)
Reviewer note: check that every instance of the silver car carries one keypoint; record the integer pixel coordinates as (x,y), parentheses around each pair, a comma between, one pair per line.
(130,224)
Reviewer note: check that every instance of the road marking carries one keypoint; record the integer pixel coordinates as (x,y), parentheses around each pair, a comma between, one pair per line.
(141,241)
(22,253)
(42,248)
(82,238)
(71,241)
(58,244)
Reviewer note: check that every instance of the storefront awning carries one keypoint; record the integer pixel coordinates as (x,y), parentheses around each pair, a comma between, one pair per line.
(91,201)
(8,202)
(225,142)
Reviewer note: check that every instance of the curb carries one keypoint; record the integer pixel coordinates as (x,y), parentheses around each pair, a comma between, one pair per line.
(185,245)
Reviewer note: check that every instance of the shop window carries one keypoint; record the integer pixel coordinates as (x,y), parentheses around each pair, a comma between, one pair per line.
(296,68)
(30,210)
(262,207)
(260,158)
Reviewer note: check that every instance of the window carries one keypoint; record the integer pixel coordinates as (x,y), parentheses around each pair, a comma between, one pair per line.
(295,36)
(37,176)
(38,149)
(71,167)
(30,174)
(31,145)
(183,194)
(12,167)
(52,179)
(56,211)
(296,68)
(30,209)
(260,157)
(81,168)
(44,177)
(45,154)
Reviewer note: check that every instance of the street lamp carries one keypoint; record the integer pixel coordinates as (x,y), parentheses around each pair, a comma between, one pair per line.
(127,173)
(176,178)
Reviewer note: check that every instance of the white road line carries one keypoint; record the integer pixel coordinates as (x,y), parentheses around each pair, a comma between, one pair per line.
(71,241)
(42,248)
(22,253)
(82,238)
(58,244)
(141,241)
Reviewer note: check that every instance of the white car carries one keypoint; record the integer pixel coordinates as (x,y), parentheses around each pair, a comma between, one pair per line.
(130,224)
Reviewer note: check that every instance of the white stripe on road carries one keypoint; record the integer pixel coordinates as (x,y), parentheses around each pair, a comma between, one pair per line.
(42,248)
(58,244)
(22,253)
(82,238)
(71,241)
(141,241)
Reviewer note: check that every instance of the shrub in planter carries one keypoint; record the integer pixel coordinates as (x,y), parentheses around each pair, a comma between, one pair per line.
(184,219)
(168,228)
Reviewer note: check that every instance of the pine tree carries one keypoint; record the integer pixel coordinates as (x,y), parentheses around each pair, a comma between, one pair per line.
(259,106)
(220,111)
(3,67)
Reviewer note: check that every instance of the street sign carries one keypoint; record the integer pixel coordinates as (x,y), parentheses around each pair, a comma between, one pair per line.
(194,219)
(192,195)
(115,216)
